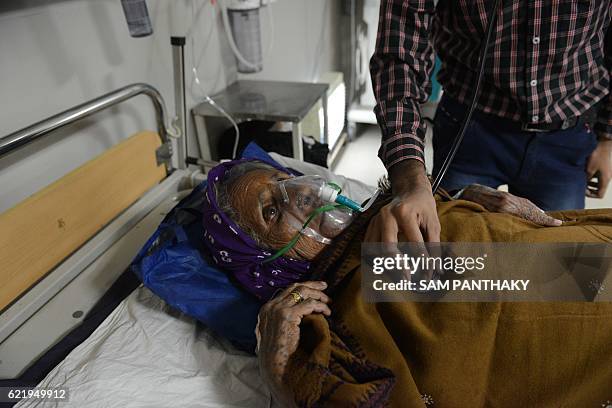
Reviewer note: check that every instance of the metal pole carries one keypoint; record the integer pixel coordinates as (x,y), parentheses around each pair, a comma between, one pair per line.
(28,134)
(178,60)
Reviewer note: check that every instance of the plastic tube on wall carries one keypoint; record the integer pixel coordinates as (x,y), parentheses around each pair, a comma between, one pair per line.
(241,23)
(137,17)
(247,36)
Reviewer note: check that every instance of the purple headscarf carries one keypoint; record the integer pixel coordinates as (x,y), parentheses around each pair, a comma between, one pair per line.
(236,252)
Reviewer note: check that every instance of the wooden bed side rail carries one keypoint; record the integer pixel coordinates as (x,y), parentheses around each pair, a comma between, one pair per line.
(44,229)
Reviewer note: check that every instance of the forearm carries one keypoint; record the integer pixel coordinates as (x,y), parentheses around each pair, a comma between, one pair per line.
(281,394)
(278,333)
(400,70)
(406,175)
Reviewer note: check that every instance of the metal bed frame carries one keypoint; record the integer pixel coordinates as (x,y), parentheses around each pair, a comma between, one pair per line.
(30,133)
(59,301)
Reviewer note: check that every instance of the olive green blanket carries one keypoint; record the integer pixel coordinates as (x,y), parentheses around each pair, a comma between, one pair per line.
(455,354)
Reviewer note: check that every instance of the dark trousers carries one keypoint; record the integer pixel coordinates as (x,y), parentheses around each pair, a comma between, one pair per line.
(548,168)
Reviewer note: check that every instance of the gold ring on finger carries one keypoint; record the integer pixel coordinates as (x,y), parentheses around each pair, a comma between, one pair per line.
(297,296)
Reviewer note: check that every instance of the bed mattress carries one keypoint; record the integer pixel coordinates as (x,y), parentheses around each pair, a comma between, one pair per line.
(146,354)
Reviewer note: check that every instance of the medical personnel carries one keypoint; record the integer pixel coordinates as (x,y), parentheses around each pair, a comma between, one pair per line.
(543,120)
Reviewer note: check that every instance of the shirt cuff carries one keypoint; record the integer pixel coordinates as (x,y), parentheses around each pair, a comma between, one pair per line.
(403,132)
(398,148)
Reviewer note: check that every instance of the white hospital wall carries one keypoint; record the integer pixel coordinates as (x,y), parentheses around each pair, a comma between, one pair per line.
(55,54)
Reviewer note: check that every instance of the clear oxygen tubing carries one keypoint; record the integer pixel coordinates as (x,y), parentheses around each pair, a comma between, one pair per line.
(466,120)
(222,111)
(331,193)
(196,79)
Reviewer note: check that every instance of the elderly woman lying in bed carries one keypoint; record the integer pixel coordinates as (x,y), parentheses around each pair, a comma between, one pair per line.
(281,242)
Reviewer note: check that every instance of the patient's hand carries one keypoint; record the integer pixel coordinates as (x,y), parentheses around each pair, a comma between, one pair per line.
(278,332)
(503,202)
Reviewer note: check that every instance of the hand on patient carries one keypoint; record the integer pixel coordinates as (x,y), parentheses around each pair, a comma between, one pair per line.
(504,202)
(278,331)
(412,212)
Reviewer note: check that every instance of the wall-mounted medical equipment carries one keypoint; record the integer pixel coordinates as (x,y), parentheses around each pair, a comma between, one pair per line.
(137,17)
(241,19)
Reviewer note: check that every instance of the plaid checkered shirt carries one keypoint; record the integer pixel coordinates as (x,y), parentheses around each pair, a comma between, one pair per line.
(547,61)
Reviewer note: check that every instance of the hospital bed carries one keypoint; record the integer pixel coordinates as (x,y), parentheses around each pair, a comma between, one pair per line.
(65,289)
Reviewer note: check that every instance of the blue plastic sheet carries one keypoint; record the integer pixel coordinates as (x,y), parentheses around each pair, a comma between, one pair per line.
(173,264)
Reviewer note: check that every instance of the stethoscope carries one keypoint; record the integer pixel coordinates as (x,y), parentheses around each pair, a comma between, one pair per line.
(466,120)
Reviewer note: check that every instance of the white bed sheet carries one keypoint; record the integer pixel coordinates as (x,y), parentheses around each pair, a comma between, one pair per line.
(146,354)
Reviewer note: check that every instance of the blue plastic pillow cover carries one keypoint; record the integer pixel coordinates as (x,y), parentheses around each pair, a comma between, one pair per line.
(173,264)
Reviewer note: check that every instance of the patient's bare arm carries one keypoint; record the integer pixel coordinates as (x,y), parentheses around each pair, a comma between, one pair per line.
(504,202)
(278,332)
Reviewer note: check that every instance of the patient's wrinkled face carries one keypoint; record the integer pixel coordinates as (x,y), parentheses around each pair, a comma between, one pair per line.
(255,196)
